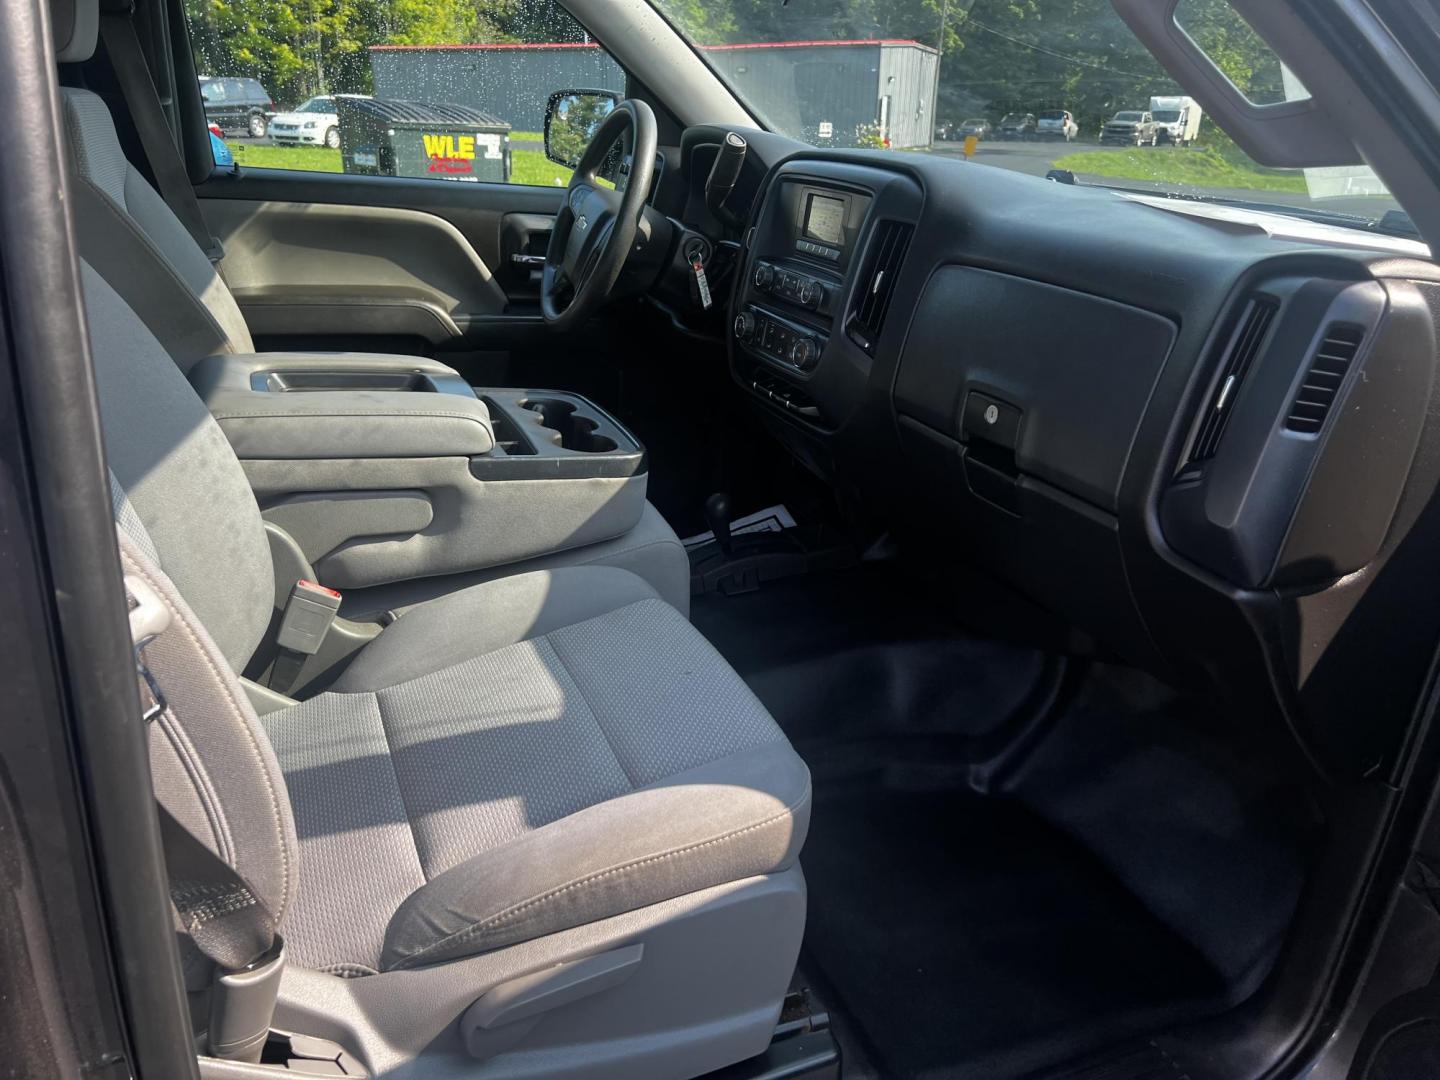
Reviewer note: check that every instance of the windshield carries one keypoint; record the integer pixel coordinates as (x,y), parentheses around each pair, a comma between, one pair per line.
(895,75)
(316,104)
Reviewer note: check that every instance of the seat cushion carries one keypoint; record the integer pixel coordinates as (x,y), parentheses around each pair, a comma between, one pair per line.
(590,754)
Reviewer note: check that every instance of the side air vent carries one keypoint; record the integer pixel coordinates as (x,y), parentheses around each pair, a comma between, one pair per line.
(1322,382)
(877,281)
(1240,352)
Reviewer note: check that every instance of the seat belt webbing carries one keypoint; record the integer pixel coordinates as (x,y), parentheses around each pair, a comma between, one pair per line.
(156,140)
(218,908)
(221,911)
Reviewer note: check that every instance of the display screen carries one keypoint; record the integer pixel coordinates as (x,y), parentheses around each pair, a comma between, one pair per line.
(825,220)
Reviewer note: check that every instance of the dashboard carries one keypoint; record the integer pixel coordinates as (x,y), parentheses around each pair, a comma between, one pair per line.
(1203,443)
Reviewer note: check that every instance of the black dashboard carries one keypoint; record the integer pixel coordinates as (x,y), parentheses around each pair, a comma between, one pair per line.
(1200,442)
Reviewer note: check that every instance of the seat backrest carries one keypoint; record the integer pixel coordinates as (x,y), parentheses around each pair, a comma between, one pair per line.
(183,480)
(128,232)
(188,525)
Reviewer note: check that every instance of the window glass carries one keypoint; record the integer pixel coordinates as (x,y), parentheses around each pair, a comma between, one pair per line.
(983,80)
(1237,50)
(449,90)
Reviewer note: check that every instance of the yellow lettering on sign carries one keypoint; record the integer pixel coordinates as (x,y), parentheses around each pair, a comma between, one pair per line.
(447,147)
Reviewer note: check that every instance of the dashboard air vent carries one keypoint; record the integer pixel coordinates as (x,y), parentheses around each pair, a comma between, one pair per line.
(877,281)
(1240,352)
(1322,382)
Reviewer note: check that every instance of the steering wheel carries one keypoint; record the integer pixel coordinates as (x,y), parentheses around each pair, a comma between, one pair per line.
(595,229)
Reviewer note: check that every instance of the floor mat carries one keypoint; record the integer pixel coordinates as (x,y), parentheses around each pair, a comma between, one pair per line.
(1060,913)
(963,936)
(853,654)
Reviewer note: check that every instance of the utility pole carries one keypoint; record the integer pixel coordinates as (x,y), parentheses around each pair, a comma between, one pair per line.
(933,120)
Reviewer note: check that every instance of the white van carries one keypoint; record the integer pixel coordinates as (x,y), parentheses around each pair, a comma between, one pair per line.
(1177,119)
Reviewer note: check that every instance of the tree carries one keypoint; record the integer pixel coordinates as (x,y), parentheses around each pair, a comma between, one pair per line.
(575,124)
(998,55)
(298,48)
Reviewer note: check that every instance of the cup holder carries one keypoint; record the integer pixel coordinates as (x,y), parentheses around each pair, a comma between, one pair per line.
(571,432)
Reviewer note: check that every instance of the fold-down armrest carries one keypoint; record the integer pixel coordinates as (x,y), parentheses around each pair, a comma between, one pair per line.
(342,405)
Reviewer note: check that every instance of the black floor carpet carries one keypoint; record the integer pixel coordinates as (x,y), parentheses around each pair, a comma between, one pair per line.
(960,935)
(952,933)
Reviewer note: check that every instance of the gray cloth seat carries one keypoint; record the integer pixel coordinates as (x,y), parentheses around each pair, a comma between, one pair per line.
(514,780)
(504,768)
(592,754)
(135,241)
(501,762)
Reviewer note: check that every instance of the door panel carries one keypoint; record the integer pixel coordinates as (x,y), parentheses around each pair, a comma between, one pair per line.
(329,256)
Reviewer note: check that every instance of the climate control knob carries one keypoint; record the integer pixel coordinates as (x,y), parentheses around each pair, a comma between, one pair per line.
(744,326)
(764,276)
(804,352)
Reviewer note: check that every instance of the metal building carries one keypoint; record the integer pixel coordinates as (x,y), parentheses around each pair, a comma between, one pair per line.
(511,82)
(829,93)
(834,93)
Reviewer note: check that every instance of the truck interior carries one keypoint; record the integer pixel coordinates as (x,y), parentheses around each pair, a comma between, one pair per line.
(1045,687)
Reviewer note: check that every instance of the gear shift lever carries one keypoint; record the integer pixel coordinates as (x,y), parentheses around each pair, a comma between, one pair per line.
(717,516)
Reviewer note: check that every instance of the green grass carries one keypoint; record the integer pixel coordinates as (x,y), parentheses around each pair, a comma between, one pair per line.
(1200,166)
(526,166)
(268,156)
(533,167)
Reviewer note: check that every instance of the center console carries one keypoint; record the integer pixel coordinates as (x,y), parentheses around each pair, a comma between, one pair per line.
(388,468)
(817,259)
(791,300)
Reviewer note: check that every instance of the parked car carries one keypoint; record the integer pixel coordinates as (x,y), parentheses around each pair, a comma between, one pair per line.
(1017,126)
(981,129)
(1130,127)
(316,123)
(239,106)
(1057,124)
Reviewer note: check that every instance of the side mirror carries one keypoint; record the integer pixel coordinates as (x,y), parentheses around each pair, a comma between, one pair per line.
(571,119)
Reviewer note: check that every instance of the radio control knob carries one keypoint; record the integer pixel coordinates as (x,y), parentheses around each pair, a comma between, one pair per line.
(744,326)
(810,292)
(804,352)
(764,276)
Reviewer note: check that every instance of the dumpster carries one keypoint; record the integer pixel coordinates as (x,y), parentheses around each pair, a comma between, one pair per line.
(379,137)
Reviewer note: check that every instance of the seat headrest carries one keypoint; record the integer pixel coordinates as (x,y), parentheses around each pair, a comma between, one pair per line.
(76,27)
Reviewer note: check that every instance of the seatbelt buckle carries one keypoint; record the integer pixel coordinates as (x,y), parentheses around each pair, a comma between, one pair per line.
(309,613)
(149,618)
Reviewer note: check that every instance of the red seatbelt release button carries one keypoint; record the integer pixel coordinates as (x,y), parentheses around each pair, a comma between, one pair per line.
(308,615)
